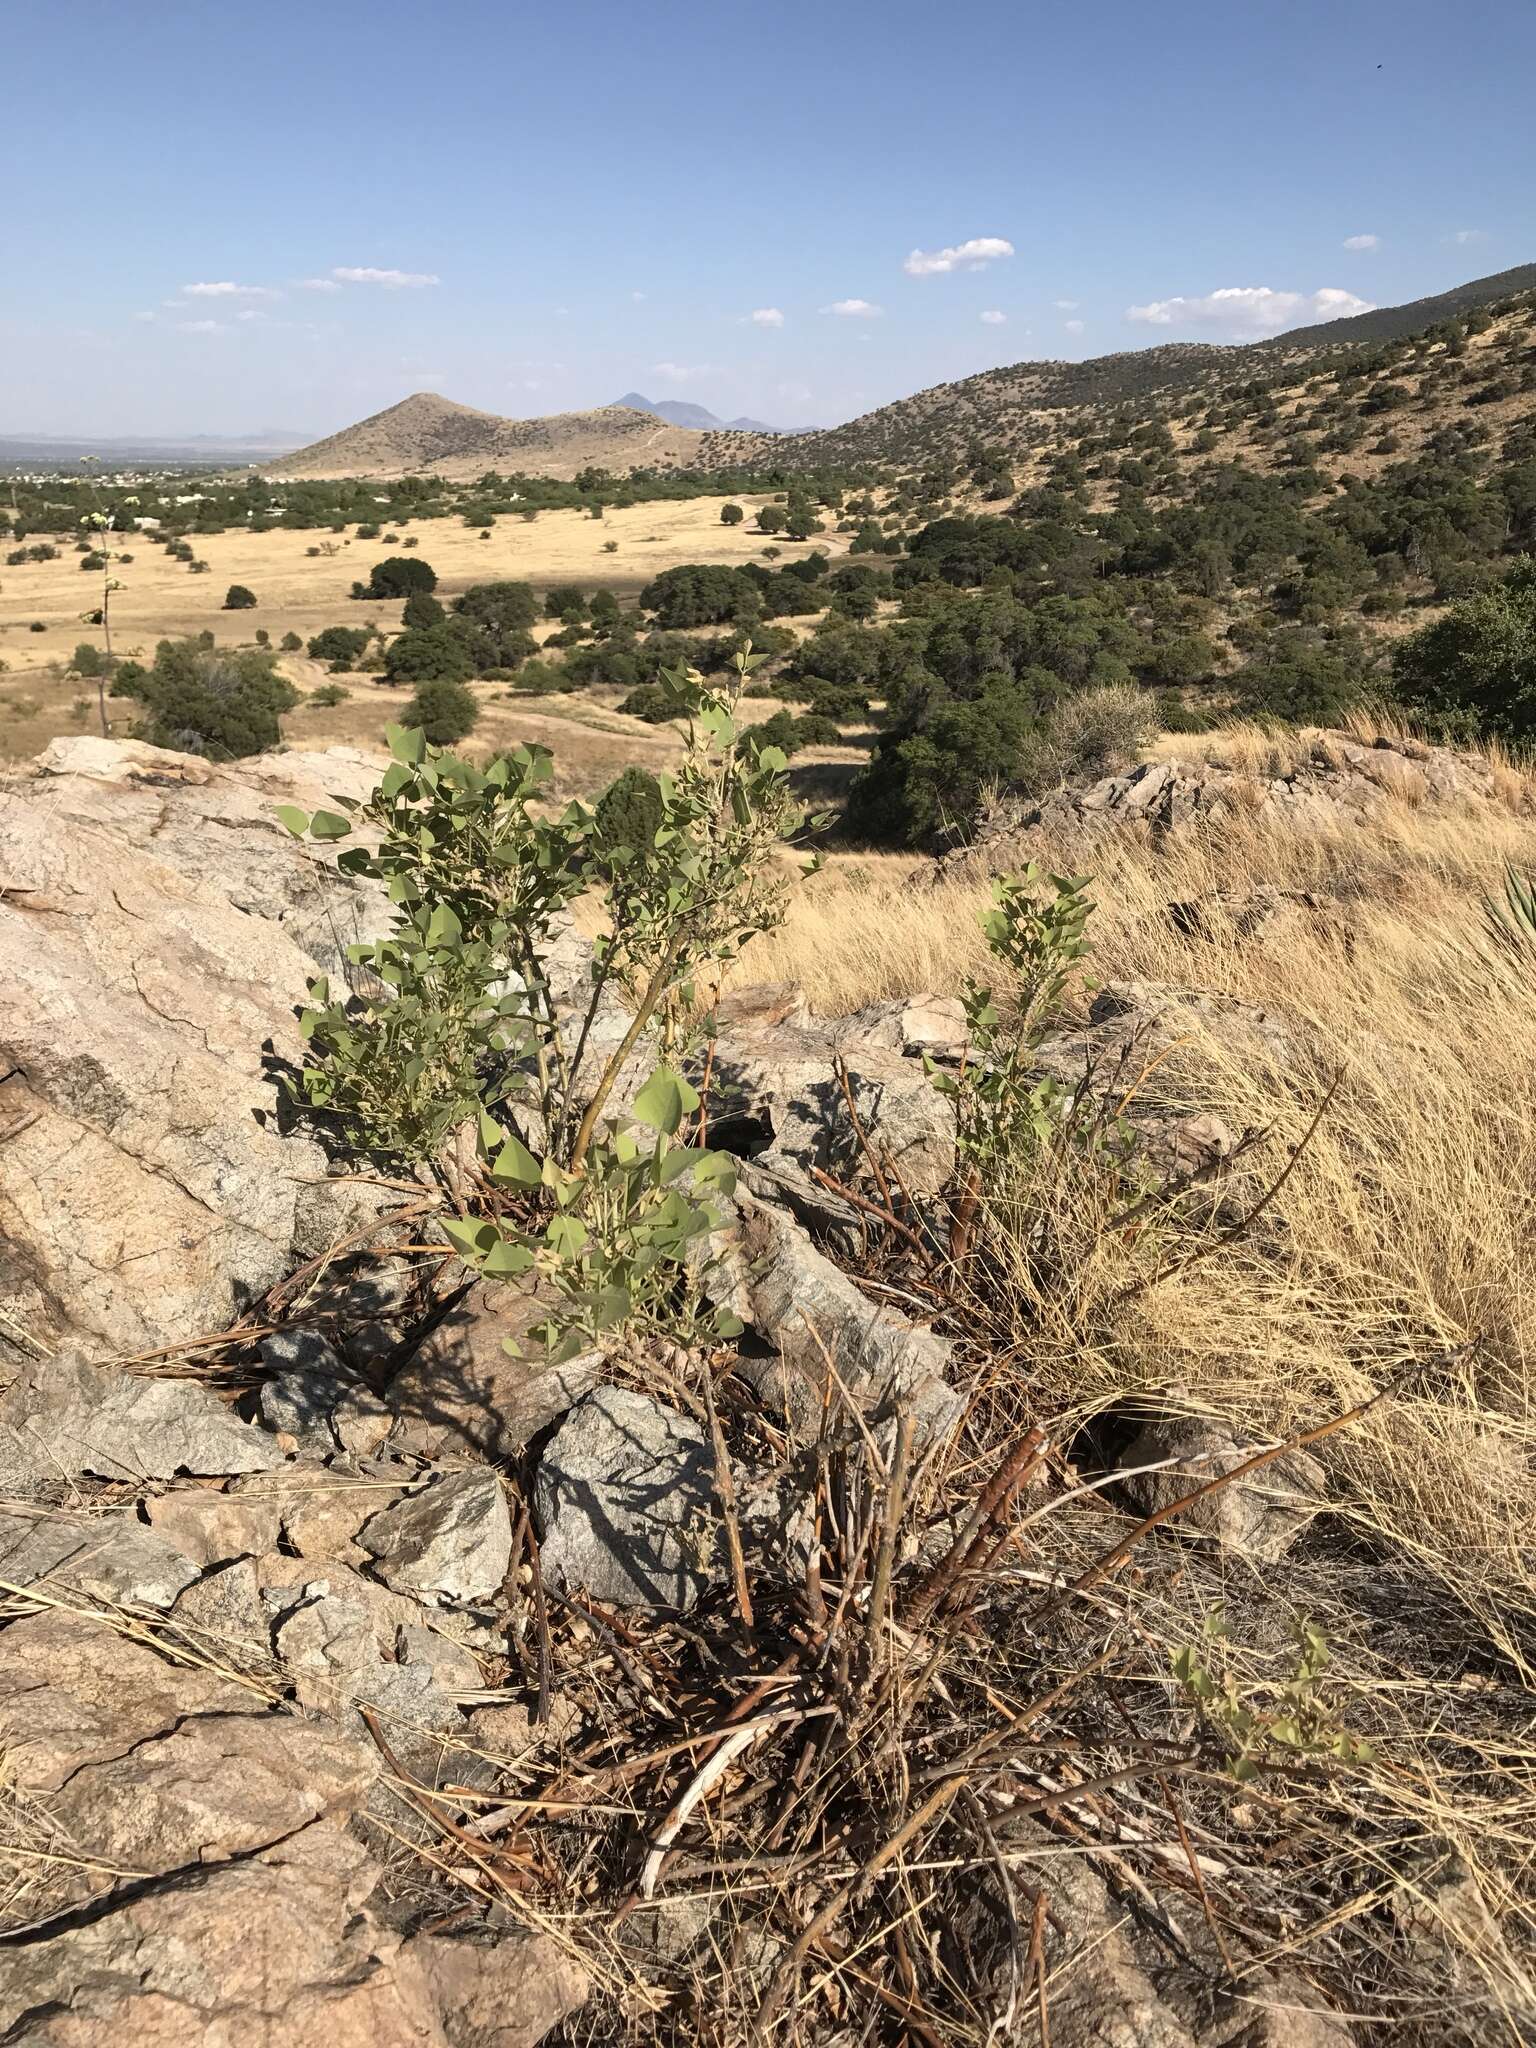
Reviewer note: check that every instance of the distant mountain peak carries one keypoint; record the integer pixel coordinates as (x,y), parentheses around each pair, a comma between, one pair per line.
(681,412)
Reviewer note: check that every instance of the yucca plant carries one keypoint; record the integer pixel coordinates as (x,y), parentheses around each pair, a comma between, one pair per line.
(1511,923)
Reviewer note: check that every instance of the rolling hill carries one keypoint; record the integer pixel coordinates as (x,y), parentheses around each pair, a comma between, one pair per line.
(425,435)
(1020,407)
(1016,410)
(1393,323)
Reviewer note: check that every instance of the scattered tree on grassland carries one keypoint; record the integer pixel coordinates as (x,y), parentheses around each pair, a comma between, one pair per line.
(398,576)
(444,710)
(199,700)
(429,654)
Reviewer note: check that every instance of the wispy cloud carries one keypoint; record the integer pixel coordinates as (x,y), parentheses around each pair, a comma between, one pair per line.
(391,280)
(318,284)
(1465,235)
(202,326)
(1073,326)
(1362,241)
(1065,305)
(682,373)
(143,316)
(638,297)
(1249,309)
(994,319)
(854,309)
(227,290)
(975,254)
(766,316)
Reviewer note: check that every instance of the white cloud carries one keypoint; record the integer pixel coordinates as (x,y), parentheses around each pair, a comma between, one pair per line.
(973,255)
(226,290)
(250,313)
(392,280)
(1065,305)
(201,326)
(1073,326)
(854,309)
(143,316)
(1362,241)
(637,297)
(681,373)
(318,284)
(1465,235)
(766,316)
(994,319)
(1249,309)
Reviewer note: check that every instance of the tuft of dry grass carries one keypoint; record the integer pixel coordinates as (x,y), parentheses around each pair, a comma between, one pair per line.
(1404,1231)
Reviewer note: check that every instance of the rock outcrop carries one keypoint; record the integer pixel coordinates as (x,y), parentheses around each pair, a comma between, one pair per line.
(1334,780)
(145,1190)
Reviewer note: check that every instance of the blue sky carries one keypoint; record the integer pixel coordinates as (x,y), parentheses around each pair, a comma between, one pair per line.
(535,208)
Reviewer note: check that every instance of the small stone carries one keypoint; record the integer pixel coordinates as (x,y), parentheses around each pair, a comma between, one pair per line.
(72,1417)
(278,1950)
(1260,1516)
(807,1308)
(449,1664)
(302,1350)
(109,1556)
(625,1496)
(321,1509)
(222,1611)
(214,1527)
(464,1391)
(507,1993)
(449,1540)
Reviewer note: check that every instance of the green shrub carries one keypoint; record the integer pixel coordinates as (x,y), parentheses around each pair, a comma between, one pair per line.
(339,645)
(422,609)
(539,679)
(493,620)
(1480,659)
(398,576)
(445,711)
(629,814)
(482,872)
(201,701)
(924,782)
(700,594)
(429,654)
(651,703)
(812,729)
(238,599)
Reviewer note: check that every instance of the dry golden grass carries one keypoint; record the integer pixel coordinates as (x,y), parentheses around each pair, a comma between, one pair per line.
(1404,1232)
(300,593)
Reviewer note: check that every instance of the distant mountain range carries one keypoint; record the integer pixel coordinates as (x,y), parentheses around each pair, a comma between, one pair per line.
(50,451)
(1015,408)
(678,412)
